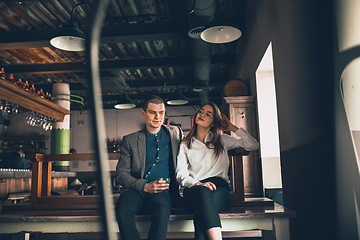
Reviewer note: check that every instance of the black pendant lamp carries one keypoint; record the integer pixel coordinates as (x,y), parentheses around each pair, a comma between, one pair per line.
(70,37)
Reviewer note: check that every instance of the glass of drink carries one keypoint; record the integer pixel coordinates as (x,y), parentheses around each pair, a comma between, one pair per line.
(167,180)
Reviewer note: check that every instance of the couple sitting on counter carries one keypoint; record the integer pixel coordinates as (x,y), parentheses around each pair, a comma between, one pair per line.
(199,162)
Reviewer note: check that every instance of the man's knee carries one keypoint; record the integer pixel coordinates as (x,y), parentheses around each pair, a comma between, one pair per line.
(162,208)
(124,214)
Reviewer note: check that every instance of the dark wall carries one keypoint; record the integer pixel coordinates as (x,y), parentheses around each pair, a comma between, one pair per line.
(301,33)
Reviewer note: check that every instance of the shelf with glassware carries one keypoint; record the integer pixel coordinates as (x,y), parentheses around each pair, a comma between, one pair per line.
(113,146)
(19,94)
(29,144)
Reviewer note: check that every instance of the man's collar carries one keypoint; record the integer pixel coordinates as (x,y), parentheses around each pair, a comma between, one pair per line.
(147,132)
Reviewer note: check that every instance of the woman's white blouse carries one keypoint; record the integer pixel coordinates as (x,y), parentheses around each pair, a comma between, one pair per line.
(199,162)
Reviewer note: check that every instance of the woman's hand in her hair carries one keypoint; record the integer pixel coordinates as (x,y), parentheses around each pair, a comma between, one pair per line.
(226,125)
(209,185)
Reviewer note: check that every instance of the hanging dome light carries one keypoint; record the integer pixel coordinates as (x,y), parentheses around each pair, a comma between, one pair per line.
(69,38)
(220,30)
(125,103)
(177,98)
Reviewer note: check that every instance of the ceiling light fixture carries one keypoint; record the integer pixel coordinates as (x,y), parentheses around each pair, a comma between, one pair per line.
(220,29)
(70,38)
(125,103)
(201,88)
(177,98)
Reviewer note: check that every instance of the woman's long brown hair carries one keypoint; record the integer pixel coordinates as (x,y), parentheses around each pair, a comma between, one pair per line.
(214,142)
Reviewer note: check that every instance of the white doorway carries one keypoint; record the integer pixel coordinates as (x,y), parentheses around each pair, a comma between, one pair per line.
(268,122)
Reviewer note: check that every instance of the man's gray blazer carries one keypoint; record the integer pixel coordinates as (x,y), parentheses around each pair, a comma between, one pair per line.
(131,165)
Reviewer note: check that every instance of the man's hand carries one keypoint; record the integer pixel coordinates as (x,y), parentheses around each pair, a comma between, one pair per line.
(209,185)
(156,186)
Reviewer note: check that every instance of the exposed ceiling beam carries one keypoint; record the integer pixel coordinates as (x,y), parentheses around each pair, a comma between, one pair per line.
(146,84)
(121,33)
(162,94)
(141,32)
(107,65)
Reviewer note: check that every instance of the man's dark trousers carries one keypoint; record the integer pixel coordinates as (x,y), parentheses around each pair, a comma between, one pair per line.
(132,202)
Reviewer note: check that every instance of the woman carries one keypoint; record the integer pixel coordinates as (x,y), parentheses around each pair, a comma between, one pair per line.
(203,165)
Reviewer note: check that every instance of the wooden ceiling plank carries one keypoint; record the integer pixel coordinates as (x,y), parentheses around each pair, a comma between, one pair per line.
(50,5)
(4,13)
(15,56)
(117,51)
(6,26)
(5,55)
(24,15)
(54,55)
(46,17)
(24,56)
(42,55)
(107,51)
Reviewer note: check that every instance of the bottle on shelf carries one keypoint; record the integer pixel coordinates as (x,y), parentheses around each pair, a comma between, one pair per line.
(26,86)
(2,74)
(109,145)
(19,82)
(32,89)
(4,145)
(118,146)
(11,78)
(41,93)
(114,145)
(50,98)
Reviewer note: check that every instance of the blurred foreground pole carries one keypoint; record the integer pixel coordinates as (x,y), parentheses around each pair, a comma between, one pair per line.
(92,49)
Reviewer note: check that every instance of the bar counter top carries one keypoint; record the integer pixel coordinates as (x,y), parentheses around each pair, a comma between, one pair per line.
(22,173)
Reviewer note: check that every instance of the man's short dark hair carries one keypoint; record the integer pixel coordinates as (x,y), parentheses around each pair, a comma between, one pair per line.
(152,99)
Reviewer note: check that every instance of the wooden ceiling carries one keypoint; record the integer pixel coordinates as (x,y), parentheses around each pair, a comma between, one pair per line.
(144,45)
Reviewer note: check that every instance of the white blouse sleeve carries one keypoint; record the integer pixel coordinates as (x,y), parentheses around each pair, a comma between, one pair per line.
(182,173)
(244,140)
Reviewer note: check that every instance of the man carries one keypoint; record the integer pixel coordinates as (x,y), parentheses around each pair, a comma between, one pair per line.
(146,157)
(15,160)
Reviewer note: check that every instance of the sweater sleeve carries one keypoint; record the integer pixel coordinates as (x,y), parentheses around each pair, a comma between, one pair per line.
(182,173)
(243,139)
(124,170)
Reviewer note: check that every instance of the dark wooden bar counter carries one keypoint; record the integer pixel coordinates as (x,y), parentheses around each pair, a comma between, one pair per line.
(240,220)
(14,181)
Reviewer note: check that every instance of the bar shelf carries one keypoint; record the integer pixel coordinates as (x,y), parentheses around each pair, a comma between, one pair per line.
(14,94)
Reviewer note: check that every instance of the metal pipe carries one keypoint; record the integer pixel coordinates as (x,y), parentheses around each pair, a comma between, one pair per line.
(203,13)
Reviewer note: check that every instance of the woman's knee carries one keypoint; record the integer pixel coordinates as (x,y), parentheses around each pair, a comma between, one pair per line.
(222,199)
(202,193)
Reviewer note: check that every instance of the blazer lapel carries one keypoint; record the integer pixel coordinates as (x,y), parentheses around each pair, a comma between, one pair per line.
(141,142)
(174,143)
